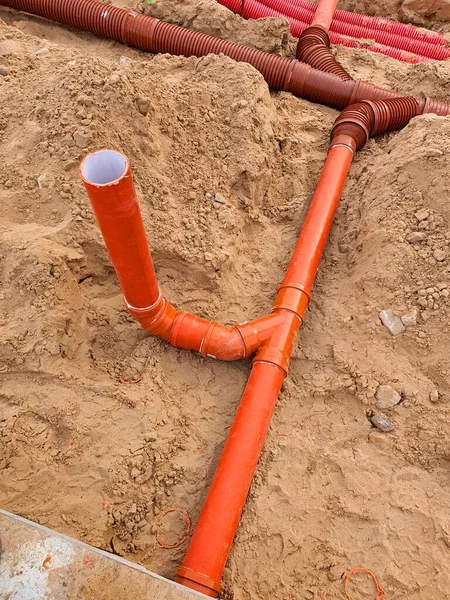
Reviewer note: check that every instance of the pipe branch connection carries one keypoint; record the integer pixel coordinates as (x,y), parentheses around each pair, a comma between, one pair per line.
(314,48)
(108,181)
(151,35)
(369,118)
(107,177)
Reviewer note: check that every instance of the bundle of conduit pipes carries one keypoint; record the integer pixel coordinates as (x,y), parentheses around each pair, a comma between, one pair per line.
(397,40)
(367,111)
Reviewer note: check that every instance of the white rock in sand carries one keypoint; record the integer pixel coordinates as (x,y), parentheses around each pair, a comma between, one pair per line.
(387,397)
(391,322)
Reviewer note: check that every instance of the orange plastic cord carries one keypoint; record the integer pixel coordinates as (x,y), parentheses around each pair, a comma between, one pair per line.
(133,381)
(186,532)
(379,589)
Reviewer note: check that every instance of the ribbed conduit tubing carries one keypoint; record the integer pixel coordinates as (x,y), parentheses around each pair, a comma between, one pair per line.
(253,9)
(313,48)
(369,118)
(151,35)
(366,21)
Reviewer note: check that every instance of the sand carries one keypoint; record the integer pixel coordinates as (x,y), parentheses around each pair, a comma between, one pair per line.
(98,460)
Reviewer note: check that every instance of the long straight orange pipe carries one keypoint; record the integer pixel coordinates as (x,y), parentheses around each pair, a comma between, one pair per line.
(324,13)
(208,550)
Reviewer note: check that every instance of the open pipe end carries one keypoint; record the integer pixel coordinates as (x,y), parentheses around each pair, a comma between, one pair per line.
(104,168)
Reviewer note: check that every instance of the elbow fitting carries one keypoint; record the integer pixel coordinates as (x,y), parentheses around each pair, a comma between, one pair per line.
(157,318)
(313,48)
(369,118)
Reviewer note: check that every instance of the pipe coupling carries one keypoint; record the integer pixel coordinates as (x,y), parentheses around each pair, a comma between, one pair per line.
(368,118)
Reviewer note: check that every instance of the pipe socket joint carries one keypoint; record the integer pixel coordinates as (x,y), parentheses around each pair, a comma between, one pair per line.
(158,318)
(292,297)
(369,118)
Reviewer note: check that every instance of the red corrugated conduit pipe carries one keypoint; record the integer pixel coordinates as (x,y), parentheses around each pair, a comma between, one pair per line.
(108,181)
(384,35)
(253,9)
(152,35)
(370,22)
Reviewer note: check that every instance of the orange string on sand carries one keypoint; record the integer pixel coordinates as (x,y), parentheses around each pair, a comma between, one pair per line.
(133,381)
(186,532)
(380,590)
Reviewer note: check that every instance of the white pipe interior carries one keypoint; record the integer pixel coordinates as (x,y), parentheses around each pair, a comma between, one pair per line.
(104,167)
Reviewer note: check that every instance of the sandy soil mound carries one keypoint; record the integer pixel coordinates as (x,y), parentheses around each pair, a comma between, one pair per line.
(86,455)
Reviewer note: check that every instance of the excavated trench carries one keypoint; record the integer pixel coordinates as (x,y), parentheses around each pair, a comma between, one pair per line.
(100,460)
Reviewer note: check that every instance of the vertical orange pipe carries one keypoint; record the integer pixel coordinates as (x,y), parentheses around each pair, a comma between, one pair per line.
(324,13)
(107,178)
(208,550)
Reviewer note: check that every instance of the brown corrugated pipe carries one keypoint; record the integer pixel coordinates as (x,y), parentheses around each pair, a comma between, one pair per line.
(152,35)
(369,118)
(313,48)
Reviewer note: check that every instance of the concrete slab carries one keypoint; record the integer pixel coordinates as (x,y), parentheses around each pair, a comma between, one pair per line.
(37,563)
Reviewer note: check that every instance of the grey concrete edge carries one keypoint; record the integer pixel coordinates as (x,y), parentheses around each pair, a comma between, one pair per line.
(106,555)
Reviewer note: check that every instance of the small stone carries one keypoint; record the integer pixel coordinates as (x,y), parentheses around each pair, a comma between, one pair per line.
(434,396)
(8,183)
(391,322)
(422,335)
(41,181)
(415,237)
(422,214)
(4,71)
(124,60)
(143,105)
(410,319)
(135,473)
(425,315)
(208,256)
(42,52)
(81,139)
(220,199)
(387,397)
(86,122)
(442,286)
(381,422)
(440,255)
(70,164)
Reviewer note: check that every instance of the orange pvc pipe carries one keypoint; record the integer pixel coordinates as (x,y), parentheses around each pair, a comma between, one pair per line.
(313,237)
(109,184)
(210,544)
(324,13)
(208,550)
(107,177)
